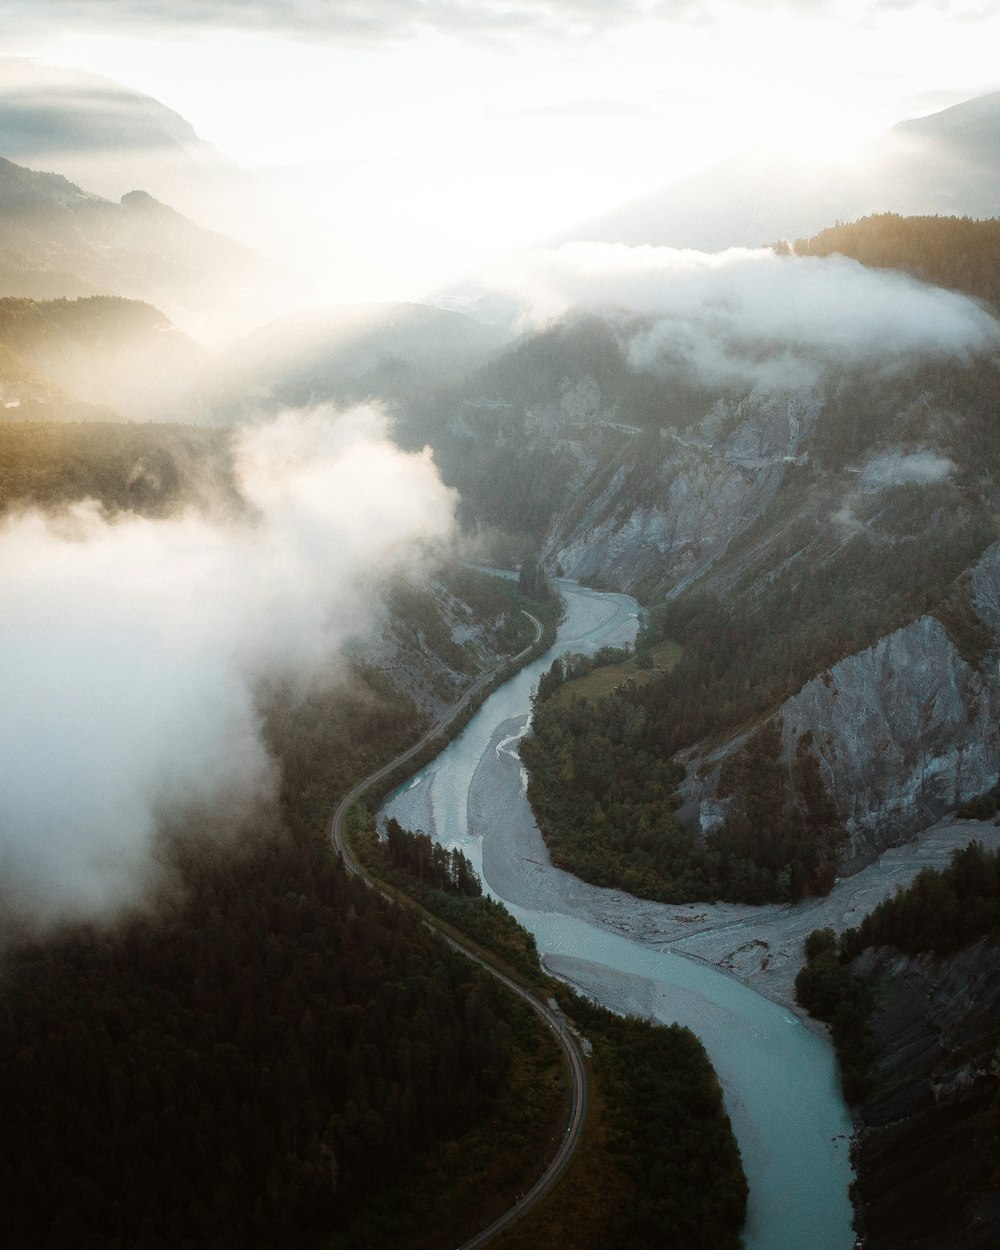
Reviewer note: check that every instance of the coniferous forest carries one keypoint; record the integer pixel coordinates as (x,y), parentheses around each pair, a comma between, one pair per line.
(268,1053)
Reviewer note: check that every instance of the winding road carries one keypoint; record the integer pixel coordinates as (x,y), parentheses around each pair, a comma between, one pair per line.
(550,1015)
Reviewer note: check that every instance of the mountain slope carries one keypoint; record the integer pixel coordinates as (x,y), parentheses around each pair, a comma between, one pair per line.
(809,515)
(944,163)
(61,241)
(111,138)
(116,354)
(347,353)
(954,252)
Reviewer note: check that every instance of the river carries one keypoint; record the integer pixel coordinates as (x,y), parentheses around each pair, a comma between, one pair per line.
(779,1079)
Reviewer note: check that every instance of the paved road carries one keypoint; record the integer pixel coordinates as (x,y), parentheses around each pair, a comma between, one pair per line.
(552,1018)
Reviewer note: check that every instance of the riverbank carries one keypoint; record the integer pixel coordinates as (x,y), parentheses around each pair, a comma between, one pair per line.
(761,947)
(779,1080)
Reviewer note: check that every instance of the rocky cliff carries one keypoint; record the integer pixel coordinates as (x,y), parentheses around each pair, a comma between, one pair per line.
(926,1150)
(827,499)
(903,731)
(433,639)
(678,498)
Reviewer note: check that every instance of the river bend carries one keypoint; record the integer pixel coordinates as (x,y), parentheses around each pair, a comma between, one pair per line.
(779,1079)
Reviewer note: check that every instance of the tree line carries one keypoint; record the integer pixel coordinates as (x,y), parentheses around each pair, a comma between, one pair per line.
(662,1151)
(962,253)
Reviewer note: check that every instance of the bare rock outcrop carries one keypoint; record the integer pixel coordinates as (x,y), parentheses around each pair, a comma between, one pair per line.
(903,731)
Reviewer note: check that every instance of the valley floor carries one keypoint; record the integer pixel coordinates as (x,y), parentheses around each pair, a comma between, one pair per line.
(762,946)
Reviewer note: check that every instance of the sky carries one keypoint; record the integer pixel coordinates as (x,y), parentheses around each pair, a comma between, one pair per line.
(423,137)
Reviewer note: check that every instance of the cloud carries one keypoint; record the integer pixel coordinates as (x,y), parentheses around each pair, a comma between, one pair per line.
(915,468)
(132,650)
(587,110)
(375,20)
(749,315)
(338,19)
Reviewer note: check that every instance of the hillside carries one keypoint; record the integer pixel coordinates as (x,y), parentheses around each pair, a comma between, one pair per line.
(395,352)
(959,253)
(237,1130)
(62,241)
(944,163)
(120,358)
(152,469)
(913,995)
(810,509)
(263,1051)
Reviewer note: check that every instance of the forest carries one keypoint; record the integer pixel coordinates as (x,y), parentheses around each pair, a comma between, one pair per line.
(269,1054)
(661,1162)
(605,797)
(152,469)
(266,1053)
(961,253)
(938,914)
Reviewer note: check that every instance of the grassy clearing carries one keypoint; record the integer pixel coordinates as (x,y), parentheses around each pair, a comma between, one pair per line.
(603,681)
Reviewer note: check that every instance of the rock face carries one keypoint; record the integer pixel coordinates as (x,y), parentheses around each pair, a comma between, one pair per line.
(931,1122)
(854,494)
(903,731)
(674,505)
(433,644)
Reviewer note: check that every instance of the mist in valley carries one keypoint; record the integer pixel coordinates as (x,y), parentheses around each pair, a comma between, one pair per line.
(299,304)
(134,649)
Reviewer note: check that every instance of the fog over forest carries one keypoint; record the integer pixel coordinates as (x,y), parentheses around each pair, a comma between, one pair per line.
(134,648)
(477,460)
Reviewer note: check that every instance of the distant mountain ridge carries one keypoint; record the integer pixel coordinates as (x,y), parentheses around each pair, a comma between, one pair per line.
(60,241)
(96,356)
(109,137)
(947,162)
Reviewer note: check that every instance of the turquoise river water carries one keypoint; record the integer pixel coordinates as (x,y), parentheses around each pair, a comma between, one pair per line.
(779,1078)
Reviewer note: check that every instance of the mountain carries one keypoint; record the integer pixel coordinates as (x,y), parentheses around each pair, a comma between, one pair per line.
(111,139)
(948,162)
(63,359)
(813,522)
(61,241)
(348,353)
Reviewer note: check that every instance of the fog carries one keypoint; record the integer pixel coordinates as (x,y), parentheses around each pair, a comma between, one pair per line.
(750,315)
(132,648)
(916,468)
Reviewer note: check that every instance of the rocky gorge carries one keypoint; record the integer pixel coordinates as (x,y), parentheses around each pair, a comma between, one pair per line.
(904,730)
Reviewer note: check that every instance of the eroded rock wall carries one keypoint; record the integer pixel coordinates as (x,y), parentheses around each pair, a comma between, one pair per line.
(930,1122)
(903,731)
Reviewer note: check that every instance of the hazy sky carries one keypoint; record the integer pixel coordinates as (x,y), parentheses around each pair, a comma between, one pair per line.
(425,133)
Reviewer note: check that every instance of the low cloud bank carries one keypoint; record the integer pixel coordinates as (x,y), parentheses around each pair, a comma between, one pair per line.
(750,315)
(131,649)
(916,468)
